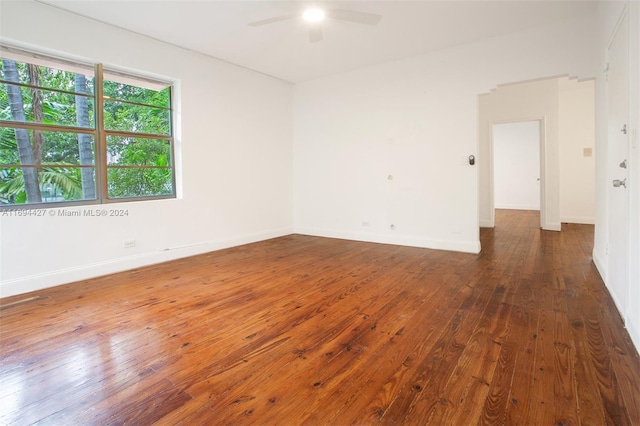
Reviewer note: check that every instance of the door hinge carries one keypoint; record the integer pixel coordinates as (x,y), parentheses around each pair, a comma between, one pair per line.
(606,72)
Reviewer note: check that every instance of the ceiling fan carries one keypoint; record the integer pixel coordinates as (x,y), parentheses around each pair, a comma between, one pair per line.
(314,16)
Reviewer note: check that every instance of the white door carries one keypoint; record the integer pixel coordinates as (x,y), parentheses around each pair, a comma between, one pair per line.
(618,153)
(516,165)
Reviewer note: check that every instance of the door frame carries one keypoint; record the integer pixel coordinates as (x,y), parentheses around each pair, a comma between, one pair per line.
(543,161)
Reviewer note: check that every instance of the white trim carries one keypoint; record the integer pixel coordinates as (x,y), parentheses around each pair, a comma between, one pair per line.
(64,276)
(618,304)
(580,220)
(552,227)
(458,246)
(634,333)
(600,265)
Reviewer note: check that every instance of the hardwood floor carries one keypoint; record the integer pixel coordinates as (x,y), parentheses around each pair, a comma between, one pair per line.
(307,330)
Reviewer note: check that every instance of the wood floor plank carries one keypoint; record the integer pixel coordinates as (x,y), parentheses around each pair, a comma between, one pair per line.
(381,381)
(318,331)
(340,357)
(438,364)
(565,402)
(521,405)
(470,385)
(590,404)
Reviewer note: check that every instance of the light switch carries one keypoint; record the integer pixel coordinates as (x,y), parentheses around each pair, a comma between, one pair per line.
(587,152)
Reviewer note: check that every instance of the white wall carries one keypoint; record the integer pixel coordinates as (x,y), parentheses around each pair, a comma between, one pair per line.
(576,130)
(235,145)
(516,165)
(608,16)
(417,120)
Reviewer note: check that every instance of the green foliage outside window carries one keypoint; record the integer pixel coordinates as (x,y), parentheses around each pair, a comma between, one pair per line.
(46,156)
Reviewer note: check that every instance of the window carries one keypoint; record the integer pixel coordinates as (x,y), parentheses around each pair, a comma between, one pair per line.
(72,133)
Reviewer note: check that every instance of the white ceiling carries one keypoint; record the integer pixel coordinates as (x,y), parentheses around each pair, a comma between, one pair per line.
(282,49)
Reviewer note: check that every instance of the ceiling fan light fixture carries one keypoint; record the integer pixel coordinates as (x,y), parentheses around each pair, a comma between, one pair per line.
(313,15)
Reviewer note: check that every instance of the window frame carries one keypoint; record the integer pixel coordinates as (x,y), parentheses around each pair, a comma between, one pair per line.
(98,132)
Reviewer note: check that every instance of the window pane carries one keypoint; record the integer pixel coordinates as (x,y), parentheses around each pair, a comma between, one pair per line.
(9,146)
(141,95)
(127,151)
(46,76)
(134,182)
(54,184)
(24,104)
(136,118)
(55,148)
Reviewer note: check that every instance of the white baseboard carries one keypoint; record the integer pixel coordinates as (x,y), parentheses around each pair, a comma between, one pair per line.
(36,282)
(459,246)
(632,328)
(617,302)
(580,220)
(552,227)
(486,224)
(634,333)
(600,265)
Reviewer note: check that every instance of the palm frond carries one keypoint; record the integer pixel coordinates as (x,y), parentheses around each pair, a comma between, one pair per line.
(67,182)
(11,184)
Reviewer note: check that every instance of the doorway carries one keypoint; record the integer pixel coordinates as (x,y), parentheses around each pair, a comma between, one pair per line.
(517,168)
(564,109)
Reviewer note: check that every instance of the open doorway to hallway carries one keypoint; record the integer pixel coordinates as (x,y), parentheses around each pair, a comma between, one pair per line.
(516,168)
(564,109)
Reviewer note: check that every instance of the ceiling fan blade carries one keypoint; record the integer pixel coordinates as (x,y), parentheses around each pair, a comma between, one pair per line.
(270,20)
(353,16)
(315,33)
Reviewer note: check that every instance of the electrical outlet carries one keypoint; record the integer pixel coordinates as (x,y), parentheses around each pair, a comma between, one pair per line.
(365,223)
(129,243)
